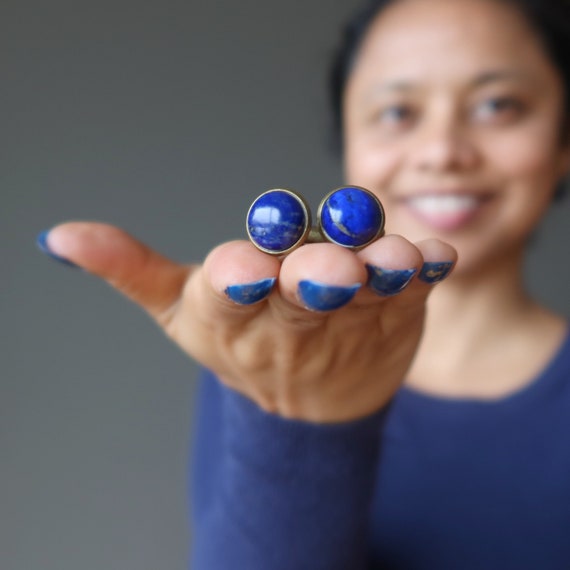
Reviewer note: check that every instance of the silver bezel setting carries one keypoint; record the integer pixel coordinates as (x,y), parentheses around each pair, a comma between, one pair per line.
(378,234)
(306,228)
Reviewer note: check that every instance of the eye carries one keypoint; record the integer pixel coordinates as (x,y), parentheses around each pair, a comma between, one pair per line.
(396,116)
(498,110)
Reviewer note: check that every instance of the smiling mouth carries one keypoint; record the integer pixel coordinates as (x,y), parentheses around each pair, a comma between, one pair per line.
(445,211)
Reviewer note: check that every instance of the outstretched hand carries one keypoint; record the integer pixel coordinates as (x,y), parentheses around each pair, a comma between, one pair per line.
(330,341)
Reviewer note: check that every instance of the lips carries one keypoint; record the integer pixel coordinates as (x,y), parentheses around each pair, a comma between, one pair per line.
(445,211)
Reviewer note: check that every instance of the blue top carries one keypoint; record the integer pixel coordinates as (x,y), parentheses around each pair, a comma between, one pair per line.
(430,483)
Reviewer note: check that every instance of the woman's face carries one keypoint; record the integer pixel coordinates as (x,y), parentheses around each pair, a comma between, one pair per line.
(452,116)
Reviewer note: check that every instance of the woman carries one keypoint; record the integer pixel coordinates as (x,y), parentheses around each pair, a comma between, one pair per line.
(378,434)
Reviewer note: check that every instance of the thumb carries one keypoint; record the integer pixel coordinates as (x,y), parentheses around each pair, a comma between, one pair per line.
(143,275)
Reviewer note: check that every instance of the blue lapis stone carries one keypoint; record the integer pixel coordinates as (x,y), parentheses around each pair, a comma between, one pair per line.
(277,220)
(351,217)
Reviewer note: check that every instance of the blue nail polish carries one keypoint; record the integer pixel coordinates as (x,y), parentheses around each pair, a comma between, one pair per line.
(321,297)
(388,282)
(41,242)
(250,293)
(433,272)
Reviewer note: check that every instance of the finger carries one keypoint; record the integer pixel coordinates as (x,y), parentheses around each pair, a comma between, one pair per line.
(320,277)
(236,274)
(439,260)
(143,275)
(391,263)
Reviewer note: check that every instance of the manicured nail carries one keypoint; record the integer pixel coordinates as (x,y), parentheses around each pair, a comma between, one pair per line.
(434,271)
(388,282)
(41,242)
(250,293)
(321,297)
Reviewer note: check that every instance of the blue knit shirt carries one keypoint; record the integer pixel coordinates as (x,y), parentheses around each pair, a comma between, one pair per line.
(428,484)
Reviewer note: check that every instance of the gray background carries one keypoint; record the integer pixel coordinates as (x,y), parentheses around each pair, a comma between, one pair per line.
(165,118)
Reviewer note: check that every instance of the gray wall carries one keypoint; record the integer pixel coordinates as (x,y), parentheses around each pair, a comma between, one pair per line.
(165,118)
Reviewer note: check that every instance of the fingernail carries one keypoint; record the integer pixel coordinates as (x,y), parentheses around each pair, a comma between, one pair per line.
(388,282)
(41,242)
(250,293)
(321,297)
(434,271)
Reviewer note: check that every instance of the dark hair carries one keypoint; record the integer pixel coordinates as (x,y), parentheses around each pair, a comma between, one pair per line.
(344,57)
(549,18)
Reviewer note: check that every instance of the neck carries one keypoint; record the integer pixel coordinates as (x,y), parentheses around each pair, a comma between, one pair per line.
(476,325)
(482,301)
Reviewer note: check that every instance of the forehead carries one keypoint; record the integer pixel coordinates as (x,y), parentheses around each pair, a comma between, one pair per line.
(431,39)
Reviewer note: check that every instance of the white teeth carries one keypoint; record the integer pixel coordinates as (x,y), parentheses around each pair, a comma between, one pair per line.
(444,204)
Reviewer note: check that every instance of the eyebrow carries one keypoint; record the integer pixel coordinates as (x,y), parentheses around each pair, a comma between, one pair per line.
(400,85)
(499,75)
(403,86)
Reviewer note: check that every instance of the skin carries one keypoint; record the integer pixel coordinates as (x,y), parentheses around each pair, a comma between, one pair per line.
(477,115)
(345,364)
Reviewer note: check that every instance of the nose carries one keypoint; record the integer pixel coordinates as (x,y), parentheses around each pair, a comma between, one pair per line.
(444,145)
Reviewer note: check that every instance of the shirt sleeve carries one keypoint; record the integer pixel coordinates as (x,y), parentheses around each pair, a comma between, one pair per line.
(275,493)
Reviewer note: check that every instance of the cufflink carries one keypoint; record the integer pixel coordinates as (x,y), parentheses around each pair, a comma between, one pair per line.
(279,220)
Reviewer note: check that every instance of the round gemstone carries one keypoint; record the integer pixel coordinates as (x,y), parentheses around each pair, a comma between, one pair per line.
(277,220)
(351,217)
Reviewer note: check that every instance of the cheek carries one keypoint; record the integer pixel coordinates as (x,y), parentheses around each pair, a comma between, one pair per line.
(532,157)
(370,165)
(529,169)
